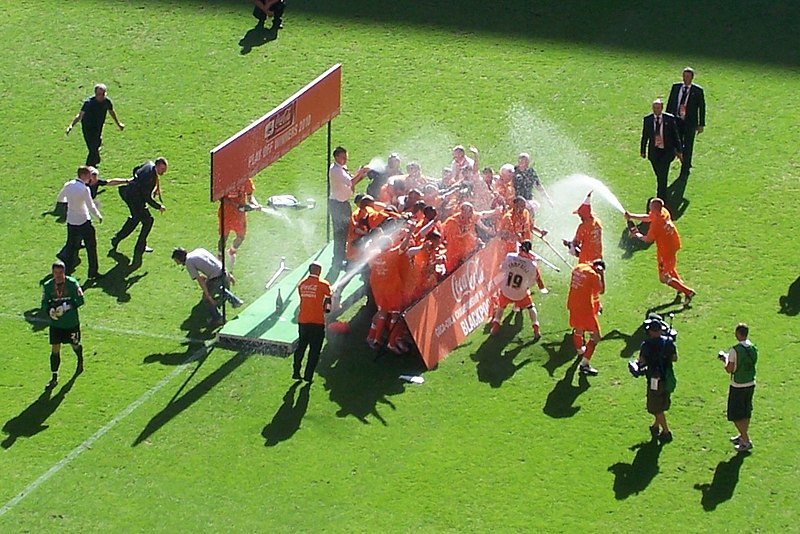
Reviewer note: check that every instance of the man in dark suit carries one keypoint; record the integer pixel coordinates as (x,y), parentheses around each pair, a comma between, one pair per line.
(660,144)
(688,104)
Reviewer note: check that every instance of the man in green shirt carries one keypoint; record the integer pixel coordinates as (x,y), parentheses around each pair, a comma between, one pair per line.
(740,362)
(61,298)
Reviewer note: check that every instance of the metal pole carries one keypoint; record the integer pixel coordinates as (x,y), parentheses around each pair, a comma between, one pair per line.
(221,247)
(328,194)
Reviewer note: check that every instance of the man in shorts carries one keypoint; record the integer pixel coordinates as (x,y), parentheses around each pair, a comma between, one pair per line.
(61,298)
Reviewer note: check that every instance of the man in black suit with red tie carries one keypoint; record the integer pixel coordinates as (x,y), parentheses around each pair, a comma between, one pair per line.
(660,144)
(687,103)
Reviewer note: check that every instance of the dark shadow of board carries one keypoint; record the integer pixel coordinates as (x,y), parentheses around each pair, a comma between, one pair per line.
(355,380)
(32,419)
(182,401)
(790,303)
(286,421)
(633,478)
(721,488)
(495,361)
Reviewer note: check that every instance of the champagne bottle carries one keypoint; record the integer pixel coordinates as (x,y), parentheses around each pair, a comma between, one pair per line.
(279,301)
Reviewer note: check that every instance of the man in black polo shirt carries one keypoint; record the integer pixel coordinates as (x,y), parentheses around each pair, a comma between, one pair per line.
(137,194)
(92,117)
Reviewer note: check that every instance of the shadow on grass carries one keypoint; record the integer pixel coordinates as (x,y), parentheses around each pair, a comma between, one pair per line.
(560,401)
(30,421)
(726,476)
(633,342)
(496,365)
(790,303)
(634,477)
(181,401)
(287,419)
(355,379)
(630,245)
(37,318)
(197,334)
(256,37)
(559,353)
(713,29)
(676,202)
(118,280)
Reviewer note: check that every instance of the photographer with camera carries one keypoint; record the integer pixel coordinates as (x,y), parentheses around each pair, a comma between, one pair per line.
(656,356)
(740,362)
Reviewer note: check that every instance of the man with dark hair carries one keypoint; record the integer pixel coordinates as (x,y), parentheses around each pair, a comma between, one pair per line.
(265,8)
(61,298)
(80,206)
(315,302)
(658,352)
(740,362)
(526,178)
(137,194)
(92,117)
(342,185)
(660,143)
(687,103)
(204,267)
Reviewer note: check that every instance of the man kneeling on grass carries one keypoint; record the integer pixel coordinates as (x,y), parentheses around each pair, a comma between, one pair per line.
(204,267)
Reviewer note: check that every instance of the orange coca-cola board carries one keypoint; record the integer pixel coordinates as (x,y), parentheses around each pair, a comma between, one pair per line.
(250,151)
(456,307)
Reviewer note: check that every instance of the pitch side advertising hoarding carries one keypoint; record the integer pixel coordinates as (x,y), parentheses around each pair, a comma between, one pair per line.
(263,142)
(456,307)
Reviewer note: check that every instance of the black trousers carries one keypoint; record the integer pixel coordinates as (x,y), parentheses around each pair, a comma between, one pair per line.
(340,220)
(277,12)
(93,138)
(77,234)
(139,214)
(660,160)
(688,133)
(311,336)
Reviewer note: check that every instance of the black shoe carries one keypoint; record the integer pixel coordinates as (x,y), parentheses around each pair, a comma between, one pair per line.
(51,385)
(95,275)
(296,376)
(79,367)
(148,249)
(665,437)
(308,379)
(587,370)
(654,431)
(277,25)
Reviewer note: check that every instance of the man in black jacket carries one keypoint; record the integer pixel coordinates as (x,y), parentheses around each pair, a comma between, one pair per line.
(660,144)
(688,104)
(137,195)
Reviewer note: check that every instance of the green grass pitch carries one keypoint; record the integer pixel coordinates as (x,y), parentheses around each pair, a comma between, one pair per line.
(166,433)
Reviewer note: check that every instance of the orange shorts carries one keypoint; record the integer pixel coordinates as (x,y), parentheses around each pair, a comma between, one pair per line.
(668,263)
(235,221)
(521,303)
(584,321)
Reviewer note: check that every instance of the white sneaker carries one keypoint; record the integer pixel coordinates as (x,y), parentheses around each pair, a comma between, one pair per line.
(743,446)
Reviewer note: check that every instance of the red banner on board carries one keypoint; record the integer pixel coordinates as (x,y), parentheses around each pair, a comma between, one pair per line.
(263,142)
(456,307)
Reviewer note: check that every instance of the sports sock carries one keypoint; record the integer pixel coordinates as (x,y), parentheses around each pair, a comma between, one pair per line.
(577,340)
(590,345)
(55,362)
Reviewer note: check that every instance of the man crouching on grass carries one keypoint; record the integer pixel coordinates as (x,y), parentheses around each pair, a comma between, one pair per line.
(204,267)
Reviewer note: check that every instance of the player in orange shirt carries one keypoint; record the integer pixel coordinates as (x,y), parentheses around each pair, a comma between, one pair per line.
(586,285)
(668,242)
(315,302)
(384,279)
(460,234)
(233,218)
(517,225)
(587,244)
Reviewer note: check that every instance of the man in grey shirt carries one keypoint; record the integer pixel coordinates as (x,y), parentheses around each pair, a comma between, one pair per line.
(204,267)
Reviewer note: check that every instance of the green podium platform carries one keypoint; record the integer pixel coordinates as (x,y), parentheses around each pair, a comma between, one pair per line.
(260,327)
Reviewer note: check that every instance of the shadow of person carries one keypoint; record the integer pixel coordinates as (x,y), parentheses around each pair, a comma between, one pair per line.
(117,281)
(559,352)
(30,421)
(790,303)
(630,244)
(676,202)
(60,214)
(286,421)
(495,365)
(633,342)
(635,477)
(355,380)
(726,476)
(560,401)
(255,37)
(36,318)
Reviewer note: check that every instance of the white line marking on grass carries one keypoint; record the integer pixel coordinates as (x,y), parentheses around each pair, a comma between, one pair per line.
(104,430)
(122,331)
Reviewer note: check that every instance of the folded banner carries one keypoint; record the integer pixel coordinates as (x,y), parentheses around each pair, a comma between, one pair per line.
(458,306)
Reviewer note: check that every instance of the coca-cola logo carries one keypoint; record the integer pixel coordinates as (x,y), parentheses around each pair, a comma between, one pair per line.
(466,279)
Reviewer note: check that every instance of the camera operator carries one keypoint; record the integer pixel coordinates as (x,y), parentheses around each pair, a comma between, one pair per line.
(656,356)
(740,362)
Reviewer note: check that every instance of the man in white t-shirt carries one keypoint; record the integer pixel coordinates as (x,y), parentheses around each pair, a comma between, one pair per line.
(518,272)
(341,184)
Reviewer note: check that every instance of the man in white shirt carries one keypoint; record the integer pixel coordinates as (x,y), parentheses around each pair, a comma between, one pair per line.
(80,206)
(341,184)
(518,272)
